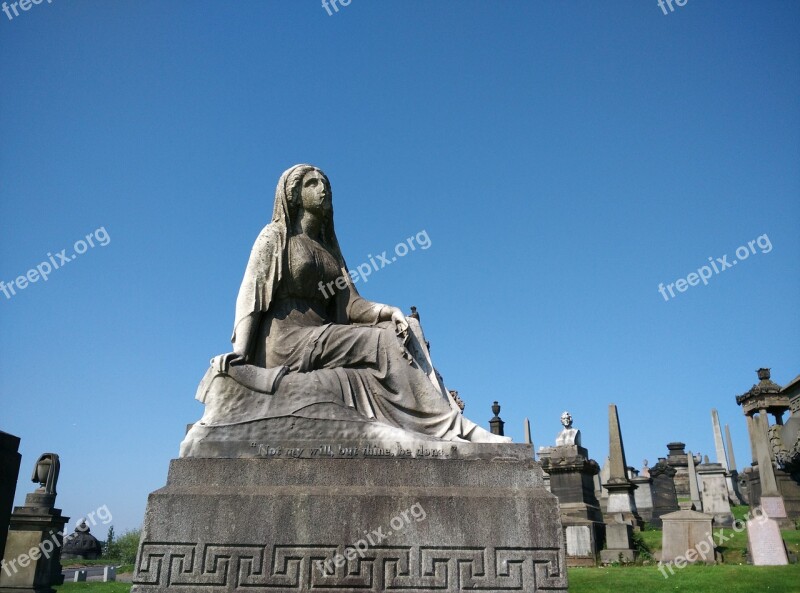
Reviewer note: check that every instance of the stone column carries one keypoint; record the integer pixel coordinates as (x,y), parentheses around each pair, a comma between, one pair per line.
(9,473)
(751,432)
(32,560)
(718,444)
(731,455)
(694,492)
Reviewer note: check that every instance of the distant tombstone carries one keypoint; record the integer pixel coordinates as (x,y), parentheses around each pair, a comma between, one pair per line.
(79,576)
(643,496)
(579,541)
(81,544)
(714,493)
(764,542)
(665,499)
(687,535)
(109,574)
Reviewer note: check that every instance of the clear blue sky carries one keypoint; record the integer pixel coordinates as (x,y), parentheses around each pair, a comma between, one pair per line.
(564,159)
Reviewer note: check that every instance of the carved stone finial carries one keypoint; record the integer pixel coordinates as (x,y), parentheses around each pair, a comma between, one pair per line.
(414,313)
(45,473)
(763,374)
(496,423)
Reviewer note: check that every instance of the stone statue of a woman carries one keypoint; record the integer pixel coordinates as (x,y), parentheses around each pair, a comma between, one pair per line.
(311,362)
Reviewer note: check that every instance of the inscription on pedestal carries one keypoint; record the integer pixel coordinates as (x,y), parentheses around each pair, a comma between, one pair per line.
(369,450)
(765,543)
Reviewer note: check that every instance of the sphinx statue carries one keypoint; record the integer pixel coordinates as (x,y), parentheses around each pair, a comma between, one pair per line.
(311,357)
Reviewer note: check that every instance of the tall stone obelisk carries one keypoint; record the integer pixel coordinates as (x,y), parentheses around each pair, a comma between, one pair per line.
(621,514)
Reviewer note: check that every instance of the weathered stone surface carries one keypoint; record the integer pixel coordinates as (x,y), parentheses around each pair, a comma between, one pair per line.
(677,459)
(643,495)
(764,542)
(36,526)
(274,522)
(665,500)
(9,473)
(618,543)
(687,534)
(714,493)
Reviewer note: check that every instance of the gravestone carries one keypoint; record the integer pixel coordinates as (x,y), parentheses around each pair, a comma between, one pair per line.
(714,493)
(765,545)
(687,535)
(643,496)
(9,472)
(665,500)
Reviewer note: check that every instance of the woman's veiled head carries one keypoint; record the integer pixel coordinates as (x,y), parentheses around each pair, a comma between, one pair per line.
(289,194)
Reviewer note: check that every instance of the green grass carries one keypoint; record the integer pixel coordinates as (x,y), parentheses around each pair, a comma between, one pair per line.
(94,588)
(630,579)
(692,579)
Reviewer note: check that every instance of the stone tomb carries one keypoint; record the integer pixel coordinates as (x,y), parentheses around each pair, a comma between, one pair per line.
(310,516)
(687,535)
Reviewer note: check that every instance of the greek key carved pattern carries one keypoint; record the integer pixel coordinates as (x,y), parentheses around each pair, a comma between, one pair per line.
(214,568)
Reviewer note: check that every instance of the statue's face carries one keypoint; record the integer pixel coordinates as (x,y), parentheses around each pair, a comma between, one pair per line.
(315,192)
(566,419)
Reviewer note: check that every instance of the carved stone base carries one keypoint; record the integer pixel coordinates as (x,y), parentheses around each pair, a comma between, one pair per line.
(365,524)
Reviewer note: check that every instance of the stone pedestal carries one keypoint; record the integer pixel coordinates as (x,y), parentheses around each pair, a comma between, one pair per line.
(714,493)
(618,546)
(678,460)
(572,482)
(354,517)
(9,472)
(33,549)
(687,535)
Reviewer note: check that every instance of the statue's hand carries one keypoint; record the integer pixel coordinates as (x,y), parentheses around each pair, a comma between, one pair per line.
(400,322)
(225,361)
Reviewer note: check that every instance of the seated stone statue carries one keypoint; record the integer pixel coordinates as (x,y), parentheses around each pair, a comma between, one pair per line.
(312,358)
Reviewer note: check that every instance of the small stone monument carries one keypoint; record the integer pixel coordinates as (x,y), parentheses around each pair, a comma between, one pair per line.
(714,493)
(765,546)
(687,535)
(81,544)
(33,548)
(496,423)
(621,515)
(572,481)
(677,459)
(665,500)
(643,496)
